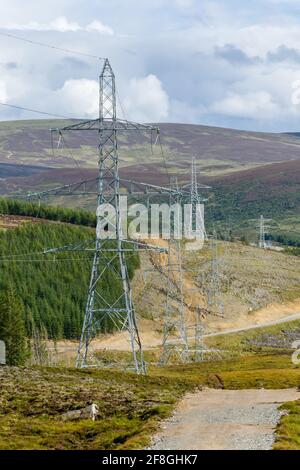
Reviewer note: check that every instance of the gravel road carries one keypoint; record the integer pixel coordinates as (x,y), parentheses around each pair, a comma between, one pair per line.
(295,316)
(224,419)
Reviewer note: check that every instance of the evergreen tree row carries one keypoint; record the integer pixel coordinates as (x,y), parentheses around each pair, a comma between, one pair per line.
(52,289)
(43,211)
(12,327)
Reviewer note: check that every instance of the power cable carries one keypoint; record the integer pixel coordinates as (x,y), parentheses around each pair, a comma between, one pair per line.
(72,155)
(50,46)
(46,260)
(35,111)
(163,156)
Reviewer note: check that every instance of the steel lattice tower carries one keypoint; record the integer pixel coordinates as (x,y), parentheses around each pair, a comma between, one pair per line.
(122,309)
(175,320)
(262,232)
(175,311)
(195,201)
(102,305)
(195,198)
(214,288)
(194,185)
(199,332)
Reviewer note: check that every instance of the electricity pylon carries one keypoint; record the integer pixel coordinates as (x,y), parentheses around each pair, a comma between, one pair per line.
(175,340)
(262,227)
(195,198)
(105,304)
(214,288)
(199,332)
(175,320)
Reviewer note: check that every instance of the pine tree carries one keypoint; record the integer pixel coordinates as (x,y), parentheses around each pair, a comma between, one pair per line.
(53,289)
(12,327)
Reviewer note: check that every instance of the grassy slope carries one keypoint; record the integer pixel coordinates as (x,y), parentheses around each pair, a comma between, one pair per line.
(32,400)
(288,430)
(242,364)
(219,149)
(268,340)
(248,281)
(272,190)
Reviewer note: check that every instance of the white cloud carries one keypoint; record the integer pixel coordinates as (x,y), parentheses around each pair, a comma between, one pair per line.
(249,105)
(202,86)
(99,27)
(267,37)
(79,97)
(146,100)
(60,24)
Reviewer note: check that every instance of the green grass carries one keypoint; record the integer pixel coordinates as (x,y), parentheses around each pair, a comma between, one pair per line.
(288,430)
(257,340)
(32,400)
(252,371)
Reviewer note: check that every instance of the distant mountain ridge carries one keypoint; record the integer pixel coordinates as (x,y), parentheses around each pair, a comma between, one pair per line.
(272,190)
(249,172)
(218,150)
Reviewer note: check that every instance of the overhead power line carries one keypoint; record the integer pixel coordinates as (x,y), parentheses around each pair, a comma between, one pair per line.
(35,111)
(50,46)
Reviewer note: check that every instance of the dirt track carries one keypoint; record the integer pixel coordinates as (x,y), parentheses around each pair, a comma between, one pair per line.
(295,316)
(224,420)
(150,338)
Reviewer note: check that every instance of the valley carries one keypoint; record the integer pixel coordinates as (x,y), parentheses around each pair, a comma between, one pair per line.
(248,346)
(249,174)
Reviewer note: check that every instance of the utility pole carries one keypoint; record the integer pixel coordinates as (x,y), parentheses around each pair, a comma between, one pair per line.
(262,232)
(195,198)
(109,250)
(199,332)
(109,253)
(175,321)
(175,341)
(213,297)
(196,201)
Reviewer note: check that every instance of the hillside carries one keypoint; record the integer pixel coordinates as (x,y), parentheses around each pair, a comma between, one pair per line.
(219,150)
(234,199)
(247,282)
(275,187)
(56,300)
(250,173)
(52,288)
(33,401)
(272,190)
(252,292)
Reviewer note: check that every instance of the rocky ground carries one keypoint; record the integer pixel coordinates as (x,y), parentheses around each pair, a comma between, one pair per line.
(282,340)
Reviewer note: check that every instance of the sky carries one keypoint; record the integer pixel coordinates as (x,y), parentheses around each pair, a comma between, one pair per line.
(220,63)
